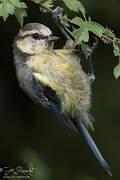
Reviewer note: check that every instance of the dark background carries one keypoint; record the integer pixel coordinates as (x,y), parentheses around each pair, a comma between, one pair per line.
(29,133)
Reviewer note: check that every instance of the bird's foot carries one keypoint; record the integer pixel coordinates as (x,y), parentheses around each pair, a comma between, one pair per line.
(95,44)
(55,12)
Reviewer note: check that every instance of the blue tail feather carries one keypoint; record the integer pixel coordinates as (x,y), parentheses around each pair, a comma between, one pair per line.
(86,136)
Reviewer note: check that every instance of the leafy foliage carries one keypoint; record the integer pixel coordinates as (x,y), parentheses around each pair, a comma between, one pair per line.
(82,34)
(76,6)
(82,26)
(86,49)
(20,13)
(117,71)
(10,7)
(6,8)
(48,3)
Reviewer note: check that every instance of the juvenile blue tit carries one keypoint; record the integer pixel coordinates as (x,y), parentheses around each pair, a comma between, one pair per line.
(55,79)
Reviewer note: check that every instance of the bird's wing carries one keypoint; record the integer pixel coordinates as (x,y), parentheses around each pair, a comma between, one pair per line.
(51,97)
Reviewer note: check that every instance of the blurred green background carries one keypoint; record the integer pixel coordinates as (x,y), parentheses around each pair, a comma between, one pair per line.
(29,133)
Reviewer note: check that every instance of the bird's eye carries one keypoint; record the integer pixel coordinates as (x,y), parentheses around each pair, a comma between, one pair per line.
(35,36)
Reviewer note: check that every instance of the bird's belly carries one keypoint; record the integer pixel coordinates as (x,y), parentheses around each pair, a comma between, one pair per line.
(25,77)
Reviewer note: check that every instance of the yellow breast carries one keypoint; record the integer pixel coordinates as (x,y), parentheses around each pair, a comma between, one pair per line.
(65,76)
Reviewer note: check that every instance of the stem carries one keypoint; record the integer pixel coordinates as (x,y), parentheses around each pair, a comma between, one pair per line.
(109,39)
(45,7)
(50,10)
(69,20)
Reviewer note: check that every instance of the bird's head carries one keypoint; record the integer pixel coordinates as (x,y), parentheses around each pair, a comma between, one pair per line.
(34,38)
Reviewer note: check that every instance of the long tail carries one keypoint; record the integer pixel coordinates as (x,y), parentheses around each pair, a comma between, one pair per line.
(86,136)
(78,126)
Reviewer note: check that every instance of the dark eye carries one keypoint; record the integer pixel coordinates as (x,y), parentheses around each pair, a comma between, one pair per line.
(35,36)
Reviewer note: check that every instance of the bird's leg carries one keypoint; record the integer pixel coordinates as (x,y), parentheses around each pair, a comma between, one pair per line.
(70,42)
(95,44)
(91,76)
(56,11)
(91,73)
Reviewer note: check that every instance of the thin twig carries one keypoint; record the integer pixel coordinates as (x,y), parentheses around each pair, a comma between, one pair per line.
(69,20)
(50,10)
(109,39)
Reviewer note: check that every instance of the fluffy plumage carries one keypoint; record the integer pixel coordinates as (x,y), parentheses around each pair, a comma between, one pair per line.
(55,79)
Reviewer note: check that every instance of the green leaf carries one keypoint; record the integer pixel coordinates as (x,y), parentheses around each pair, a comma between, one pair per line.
(116,71)
(20,13)
(78,21)
(6,8)
(116,49)
(86,49)
(72,5)
(95,28)
(18,3)
(75,5)
(48,3)
(105,40)
(82,9)
(109,33)
(91,26)
(43,10)
(64,23)
(39,1)
(81,35)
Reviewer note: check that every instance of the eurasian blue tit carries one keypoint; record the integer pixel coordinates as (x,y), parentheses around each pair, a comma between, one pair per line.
(55,79)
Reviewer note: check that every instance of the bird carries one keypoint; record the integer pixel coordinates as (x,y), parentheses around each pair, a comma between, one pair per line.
(54,78)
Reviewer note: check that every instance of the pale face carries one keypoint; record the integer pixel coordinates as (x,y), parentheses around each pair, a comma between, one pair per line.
(33,38)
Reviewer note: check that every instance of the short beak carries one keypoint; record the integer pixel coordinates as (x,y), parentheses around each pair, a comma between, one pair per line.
(53,38)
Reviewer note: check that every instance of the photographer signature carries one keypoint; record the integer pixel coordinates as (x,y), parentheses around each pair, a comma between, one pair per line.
(18,171)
